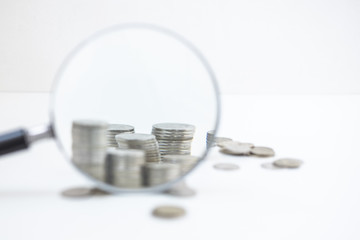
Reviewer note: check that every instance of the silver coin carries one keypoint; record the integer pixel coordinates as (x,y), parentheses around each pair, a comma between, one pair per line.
(88,123)
(120,127)
(224,143)
(262,151)
(226,166)
(99,192)
(288,163)
(234,148)
(219,140)
(270,166)
(135,137)
(169,212)
(77,192)
(174,127)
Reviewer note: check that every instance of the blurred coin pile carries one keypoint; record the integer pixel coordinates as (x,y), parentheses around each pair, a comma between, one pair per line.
(142,141)
(115,129)
(89,146)
(115,154)
(123,167)
(185,162)
(174,138)
(159,173)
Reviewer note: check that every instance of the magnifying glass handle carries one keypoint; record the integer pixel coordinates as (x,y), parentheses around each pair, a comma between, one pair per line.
(21,139)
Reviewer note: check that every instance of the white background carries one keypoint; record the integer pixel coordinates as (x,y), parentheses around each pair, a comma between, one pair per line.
(271,47)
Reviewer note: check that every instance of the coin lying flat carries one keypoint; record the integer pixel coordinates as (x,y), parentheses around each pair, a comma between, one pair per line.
(262,151)
(168,212)
(288,163)
(98,192)
(224,143)
(220,140)
(270,166)
(235,148)
(226,166)
(77,192)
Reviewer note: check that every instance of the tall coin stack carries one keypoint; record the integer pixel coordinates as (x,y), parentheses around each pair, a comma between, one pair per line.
(89,146)
(146,142)
(123,167)
(185,162)
(115,129)
(174,138)
(159,173)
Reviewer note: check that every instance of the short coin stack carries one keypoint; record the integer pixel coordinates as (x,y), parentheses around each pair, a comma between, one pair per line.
(159,173)
(115,129)
(123,167)
(89,146)
(146,142)
(185,162)
(210,139)
(174,138)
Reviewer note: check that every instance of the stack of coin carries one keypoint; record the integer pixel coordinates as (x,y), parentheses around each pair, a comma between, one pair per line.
(185,162)
(89,146)
(146,142)
(159,173)
(174,138)
(115,129)
(123,167)
(210,139)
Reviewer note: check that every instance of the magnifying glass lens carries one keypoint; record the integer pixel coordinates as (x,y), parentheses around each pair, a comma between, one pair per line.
(131,107)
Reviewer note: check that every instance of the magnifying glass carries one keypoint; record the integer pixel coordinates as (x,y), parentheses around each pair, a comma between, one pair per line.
(130,109)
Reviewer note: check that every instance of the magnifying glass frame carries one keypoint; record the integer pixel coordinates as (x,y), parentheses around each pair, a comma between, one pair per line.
(23,138)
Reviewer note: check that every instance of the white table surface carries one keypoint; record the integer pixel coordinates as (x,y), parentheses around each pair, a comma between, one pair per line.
(321,200)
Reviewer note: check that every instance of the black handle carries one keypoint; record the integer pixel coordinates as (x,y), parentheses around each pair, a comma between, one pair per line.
(13,141)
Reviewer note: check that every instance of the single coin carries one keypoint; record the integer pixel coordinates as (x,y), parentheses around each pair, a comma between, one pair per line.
(77,192)
(99,192)
(168,212)
(226,166)
(219,140)
(226,143)
(288,163)
(262,151)
(234,148)
(270,166)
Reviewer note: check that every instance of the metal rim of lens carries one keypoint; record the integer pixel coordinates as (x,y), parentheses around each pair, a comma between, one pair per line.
(99,34)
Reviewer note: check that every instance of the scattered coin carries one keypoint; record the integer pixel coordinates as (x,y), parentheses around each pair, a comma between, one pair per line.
(270,166)
(99,192)
(168,212)
(288,163)
(226,166)
(77,192)
(222,144)
(212,141)
(235,148)
(262,151)
(220,140)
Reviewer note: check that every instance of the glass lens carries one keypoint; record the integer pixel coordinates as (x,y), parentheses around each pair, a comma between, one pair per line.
(132,106)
